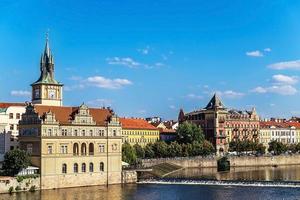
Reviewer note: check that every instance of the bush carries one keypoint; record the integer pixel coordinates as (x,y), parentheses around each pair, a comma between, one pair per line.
(32,188)
(140,152)
(11,189)
(18,188)
(189,133)
(277,147)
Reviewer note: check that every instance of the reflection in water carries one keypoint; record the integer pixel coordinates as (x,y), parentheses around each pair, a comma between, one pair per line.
(282,173)
(171,192)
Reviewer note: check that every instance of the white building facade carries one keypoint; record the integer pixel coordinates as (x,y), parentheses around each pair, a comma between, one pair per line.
(10,114)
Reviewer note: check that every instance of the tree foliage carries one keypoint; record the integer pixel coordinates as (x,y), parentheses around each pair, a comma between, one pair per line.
(140,152)
(277,147)
(189,133)
(14,161)
(128,154)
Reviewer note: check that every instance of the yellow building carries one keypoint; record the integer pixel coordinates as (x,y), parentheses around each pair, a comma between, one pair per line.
(72,146)
(138,131)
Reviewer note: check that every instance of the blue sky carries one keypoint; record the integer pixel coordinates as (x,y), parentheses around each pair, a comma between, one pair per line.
(148,58)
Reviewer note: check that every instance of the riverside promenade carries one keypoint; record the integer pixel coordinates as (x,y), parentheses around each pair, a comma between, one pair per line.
(235,161)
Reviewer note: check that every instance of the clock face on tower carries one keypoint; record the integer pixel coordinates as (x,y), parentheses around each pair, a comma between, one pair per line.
(51,94)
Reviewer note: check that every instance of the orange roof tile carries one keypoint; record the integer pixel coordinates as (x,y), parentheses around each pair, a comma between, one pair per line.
(6,105)
(130,123)
(64,114)
(285,124)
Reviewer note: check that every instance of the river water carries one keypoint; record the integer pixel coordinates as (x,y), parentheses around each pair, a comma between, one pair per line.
(239,183)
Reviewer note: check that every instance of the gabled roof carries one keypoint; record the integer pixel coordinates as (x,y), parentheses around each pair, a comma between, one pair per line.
(132,123)
(215,102)
(282,124)
(64,114)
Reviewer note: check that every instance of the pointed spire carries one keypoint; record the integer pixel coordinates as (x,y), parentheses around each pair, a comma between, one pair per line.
(47,46)
(215,102)
(181,116)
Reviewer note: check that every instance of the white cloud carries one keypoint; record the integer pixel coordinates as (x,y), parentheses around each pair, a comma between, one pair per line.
(256,53)
(128,62)
(231,94)
(267,49)
(20,93)
(100,102)
(172,107)
(75,78)
(285,80)
(102,82)
(193,96)
(74,87)
(142,111)
(294,64)
(144,51)
(259,89)
(276,89)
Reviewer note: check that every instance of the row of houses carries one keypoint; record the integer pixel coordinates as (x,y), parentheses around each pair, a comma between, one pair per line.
(221,125)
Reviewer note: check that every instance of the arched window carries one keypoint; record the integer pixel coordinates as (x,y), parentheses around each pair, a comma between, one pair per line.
(83,132)
(91,167)
(64,168)
(83,149)
(91,132)
(75,168)
(102,167)
(75,149)
(91,149)
(83,167)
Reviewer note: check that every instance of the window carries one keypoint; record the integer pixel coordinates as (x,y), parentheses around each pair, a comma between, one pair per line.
(64,168)
(11,115)
(75,149)
(49,149)
(64,132)
(63,149)
(75,132)
(83,167)
(91,149)
(18,116)
(101,148)
(91,167)
(102,167)
(49,132)
(114,133)
(11,127)
(91,132)
(29,148)
(75,168)
(83,132)
(83,149)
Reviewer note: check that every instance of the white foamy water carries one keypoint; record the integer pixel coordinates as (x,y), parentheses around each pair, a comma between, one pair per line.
(223,183)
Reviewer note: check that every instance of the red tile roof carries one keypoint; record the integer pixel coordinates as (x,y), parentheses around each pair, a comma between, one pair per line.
(6,105)
(284,124)
(131,123)
(64,114)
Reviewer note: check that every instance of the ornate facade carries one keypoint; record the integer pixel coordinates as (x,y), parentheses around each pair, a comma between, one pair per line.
(221,125)
(72,146)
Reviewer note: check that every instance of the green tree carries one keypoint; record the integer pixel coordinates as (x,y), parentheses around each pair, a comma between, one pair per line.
(207,148)
(149,153)
(140,152)
(189,133)
(174,150)
(160,149)
(14,161)
(128,154)
(260,148)
(277,147)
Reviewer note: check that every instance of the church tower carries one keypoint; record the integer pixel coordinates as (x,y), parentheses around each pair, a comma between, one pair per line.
(46,90)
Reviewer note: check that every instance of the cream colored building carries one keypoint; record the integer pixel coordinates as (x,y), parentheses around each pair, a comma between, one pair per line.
(138,131)
(72,146)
